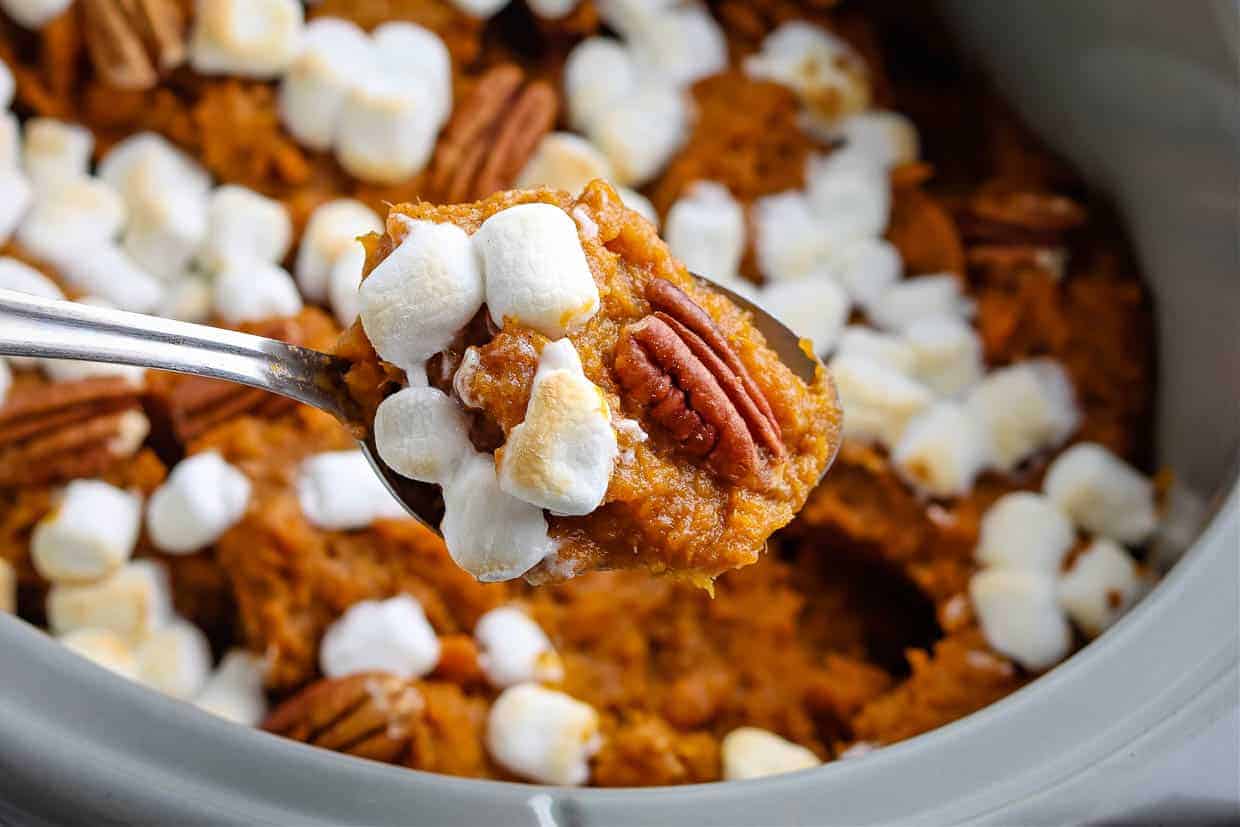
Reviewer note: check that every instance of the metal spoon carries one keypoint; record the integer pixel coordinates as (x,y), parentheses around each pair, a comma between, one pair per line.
(31,326)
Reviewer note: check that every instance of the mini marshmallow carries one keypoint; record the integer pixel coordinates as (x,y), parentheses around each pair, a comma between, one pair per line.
(188,299)
(133,602)
(248,38)
(866,267)
(1020,616)
(552,9)
(1027,407)
(949,354)
(828,76)
(105,272)
(339,491)
(598,72)
(942,450)
(16,196)
(70,214)
(1101,585)
(788,239)
(344,282)
(1026,531)
(335,52)
(489,533)
(235,689)
(890,351)
(513,649)
(640,132)
(877,401)
(887,138)
(561,455)
(1102,493)
(543,735)
(387,130)
(54,149)
(814,309)
(427,289)
(390,636)
(1184,512)
(630,17)
(89,534)
(10,135)
(8,85)
(245,224)
(850,199)
(750,752)
(8,588)
(679,45)
(535,269)
(563,161)
(639,204)
(706,230)
(481,9)
(33,14)
(202,498)
(20,276)
(175,660)
(422,433)
(146,165)
(922,297)
(332,228)
(249,289)
(418,57)
(105,648)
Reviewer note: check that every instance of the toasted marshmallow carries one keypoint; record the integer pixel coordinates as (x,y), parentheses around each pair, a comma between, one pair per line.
(890,351)
(513,649)
(543,735)
(489,533)
(335,52)
(175,660)
(706,230)
(640,132)
(563,161)
(244,224)
(249,289)
(788,238)
(187,298)
(680,45)
(16,196)
(339,491)
(8,85)
(535,269)
(133,602)
(54,149)
(234,691)
(390,636)
(417,56)
(1102,493)
(332,228)
(598,72)
(419,297)
(420,432)
(866,267)
(922,297)
(750,752)
(344,281)
(481,9)
(828,76)
(250,38)
(89,534)
(639,204)
(561,455)
(387,130)
(105,648)
(1023,530)
(949,354)
(1101,585)
(851,200)
(1027,407)
(814,309)
(33,14)
(887,138)
(878,402)
(1020,616)
(8,588)
(202,498)
(942,450)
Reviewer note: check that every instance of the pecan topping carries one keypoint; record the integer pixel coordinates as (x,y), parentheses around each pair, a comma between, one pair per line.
(490,136)
(133,42)
(678,364)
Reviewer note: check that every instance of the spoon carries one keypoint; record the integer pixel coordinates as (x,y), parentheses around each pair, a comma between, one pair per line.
(51,328)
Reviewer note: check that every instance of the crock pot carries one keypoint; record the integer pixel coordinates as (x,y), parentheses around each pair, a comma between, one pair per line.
(1145,98)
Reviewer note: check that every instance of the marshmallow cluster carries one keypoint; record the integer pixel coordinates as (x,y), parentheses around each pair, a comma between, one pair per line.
(339,491)
(390,636)
(202,498)
(513,649)
(248,38)
(750,752)
(1027,408)
(543,735)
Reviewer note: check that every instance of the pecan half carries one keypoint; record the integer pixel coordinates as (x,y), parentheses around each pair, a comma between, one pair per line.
(133,42)
(491,135)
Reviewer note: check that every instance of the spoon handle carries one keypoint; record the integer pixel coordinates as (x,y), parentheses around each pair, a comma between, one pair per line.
(32,326)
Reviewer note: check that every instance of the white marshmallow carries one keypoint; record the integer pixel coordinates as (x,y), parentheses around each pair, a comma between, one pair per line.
(390,636)
(145,165)
(250,289)
(552,9)
(235,689)
(420,432)
(175,660)
(877,401)
(8,588)
(339,491)
(16,196)
(866,267)
(949,354)
(249,38)
(8,85)
(1102,493)
(33,14)
(942,450)
(489,533)
(69,214)
(750,752)
(640,132)
(639,204)
(561,456)
(1184,512)
(91,532)
(563,161)
(890,351)
(332,228)
(598,72)
(886,137)
(513,649)
(535,269)
(202,498)
(1027,407)
(20,276)
(344,281)
(419,297)
(543,735)
(706,230)
(922,297)
(105,648)
(814,309)
(828,76)
(188,298)
(54,149)
(107,273)
(850,199)
(788,238)
(680,45)
(10,134)
(133,602)
(1101,585)
(1020,616)
(387,130)
(242,223)
(481,9)
(1023,530)
(630,17)
(418,57)
(335,52)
